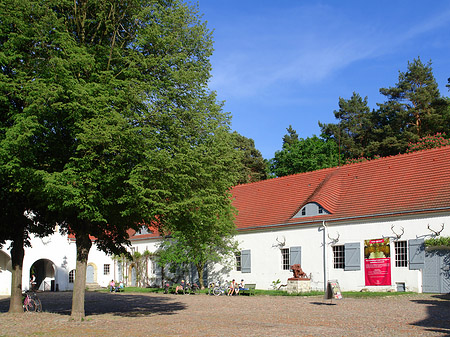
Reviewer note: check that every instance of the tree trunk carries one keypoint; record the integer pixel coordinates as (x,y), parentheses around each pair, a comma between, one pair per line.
(200,269)
(163,276)
(84,244)
(17,254)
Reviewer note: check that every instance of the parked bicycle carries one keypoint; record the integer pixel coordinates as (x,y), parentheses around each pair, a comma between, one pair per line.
(31,302)
(166,287)
(211,286)
(220,289)
(191,288)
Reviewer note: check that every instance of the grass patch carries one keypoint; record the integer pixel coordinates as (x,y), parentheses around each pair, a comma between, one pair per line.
(285,293)
(368,294)
(259,292)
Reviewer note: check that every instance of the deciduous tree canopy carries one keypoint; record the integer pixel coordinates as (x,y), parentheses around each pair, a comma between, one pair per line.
(120,117)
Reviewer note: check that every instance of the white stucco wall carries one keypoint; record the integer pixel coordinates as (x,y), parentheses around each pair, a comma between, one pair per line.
(5,273)
(266,260)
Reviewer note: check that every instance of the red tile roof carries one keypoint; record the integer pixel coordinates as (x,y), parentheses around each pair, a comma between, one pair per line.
(400,184)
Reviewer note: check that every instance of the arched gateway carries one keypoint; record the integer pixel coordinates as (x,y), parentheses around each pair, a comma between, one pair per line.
(44,271)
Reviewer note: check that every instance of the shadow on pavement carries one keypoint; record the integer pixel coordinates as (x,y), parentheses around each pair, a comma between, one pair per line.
(323,303)
(438,319)
(96,303)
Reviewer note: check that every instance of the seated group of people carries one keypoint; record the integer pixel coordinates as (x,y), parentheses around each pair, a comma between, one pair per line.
(185,286)
(235,287)
(182,286)
(115,287)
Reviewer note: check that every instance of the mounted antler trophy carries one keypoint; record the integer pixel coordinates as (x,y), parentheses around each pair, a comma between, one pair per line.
(398,235)
(436,233)
(279,244)
(334,240)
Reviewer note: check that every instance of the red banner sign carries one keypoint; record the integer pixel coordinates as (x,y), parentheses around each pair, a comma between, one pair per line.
(377,262)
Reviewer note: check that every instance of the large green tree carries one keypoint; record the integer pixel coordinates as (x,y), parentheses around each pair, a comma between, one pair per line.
(22,211)
(254,167)
(416,92)
(199,216)
(304,155)
(117,89)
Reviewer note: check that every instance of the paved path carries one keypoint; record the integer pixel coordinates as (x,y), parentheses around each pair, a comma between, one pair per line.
(128,314)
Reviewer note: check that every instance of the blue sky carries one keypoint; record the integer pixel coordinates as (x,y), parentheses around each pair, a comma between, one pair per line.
(287,62)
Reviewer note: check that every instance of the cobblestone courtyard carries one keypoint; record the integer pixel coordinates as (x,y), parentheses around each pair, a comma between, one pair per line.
(201,315)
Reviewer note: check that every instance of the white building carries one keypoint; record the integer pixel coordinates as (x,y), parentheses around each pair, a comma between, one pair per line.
(362,224)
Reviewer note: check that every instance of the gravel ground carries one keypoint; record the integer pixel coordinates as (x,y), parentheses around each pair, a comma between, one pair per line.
(128,314)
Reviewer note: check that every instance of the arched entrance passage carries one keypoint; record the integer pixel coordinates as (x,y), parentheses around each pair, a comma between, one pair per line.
(44,270)
(5,262)
(5,273)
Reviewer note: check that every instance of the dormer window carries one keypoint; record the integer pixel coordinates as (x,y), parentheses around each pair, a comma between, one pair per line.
(311,209)
(145,230)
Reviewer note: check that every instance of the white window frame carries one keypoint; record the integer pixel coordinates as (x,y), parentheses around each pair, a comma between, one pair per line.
(285,259)
(338,256)
(238,261)
(401,253)
(72,276)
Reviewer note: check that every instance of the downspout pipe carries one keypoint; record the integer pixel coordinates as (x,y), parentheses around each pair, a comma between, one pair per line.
(324,245)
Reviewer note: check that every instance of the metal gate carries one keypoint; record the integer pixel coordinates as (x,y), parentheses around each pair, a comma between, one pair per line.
(436,274)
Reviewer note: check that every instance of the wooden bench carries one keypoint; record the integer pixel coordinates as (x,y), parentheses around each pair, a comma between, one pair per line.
(249,289)
(172,289)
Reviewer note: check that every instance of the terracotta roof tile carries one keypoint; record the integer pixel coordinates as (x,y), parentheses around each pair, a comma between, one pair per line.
(398,184)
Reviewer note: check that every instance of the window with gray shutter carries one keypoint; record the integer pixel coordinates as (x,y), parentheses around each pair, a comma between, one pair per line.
(295,256)
(352,256)
(416,254)
(246,261)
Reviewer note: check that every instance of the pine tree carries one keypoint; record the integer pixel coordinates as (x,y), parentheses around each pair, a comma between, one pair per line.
(353,131)
(414,109)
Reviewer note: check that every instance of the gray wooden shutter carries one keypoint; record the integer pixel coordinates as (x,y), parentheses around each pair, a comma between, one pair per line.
(416,254)
(295,255)
(246,261)
(352,256)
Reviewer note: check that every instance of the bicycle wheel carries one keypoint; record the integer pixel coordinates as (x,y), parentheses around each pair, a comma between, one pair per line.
(38,304)
(31,306)
(217,291)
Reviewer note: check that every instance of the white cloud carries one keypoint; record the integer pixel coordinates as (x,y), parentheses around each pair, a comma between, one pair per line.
(303,46)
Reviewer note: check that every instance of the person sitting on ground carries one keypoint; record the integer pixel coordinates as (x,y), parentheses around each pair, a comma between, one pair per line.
(180,287)
(231,288)
(112,286)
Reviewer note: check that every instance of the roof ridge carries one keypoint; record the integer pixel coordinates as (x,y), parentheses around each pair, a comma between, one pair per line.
(284,177)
